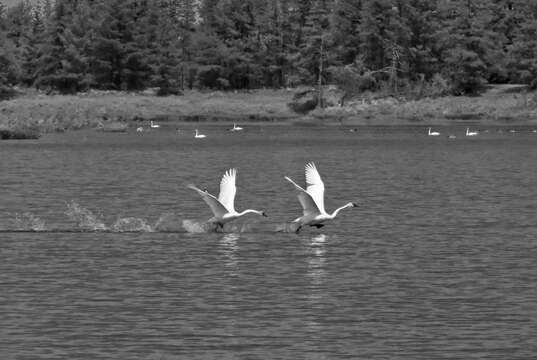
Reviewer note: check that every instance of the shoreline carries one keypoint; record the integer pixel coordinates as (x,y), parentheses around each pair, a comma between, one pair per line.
(34,111)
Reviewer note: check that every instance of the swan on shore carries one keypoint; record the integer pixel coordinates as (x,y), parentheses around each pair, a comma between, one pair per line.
(235,128)
(312,200)
(154,126)
(139,129)
(433,133)
(471,133)
(198,135)
(223,208)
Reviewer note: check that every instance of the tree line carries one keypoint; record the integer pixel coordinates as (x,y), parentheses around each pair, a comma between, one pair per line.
(424,46)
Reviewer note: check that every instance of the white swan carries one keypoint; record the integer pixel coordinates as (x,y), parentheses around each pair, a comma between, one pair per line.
(223,208)
(471,133)
(312,200)
(154,126)
(235,128)
(139,129)
(433,133)
(198,135)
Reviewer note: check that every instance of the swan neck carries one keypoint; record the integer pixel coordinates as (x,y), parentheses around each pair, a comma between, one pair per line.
(334,214)
(250,211)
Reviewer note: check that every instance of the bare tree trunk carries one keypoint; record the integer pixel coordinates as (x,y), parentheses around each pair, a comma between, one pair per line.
(320,101)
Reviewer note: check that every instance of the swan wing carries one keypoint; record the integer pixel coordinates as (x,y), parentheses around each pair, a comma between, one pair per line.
(315,186)
(216,207)
(228,189)
(308,204)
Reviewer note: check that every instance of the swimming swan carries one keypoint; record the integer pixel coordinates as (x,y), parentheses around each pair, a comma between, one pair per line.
(433,133)
(223,208)
(154,126)
(235,128)
(312,200)
(471,133)
(198,135)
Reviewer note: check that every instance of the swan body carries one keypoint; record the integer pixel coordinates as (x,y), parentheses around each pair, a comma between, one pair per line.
(433,133)
(235,128)
(139,129)
(312,200)
(154,126)
(471,133)
(198,135)
(223,207)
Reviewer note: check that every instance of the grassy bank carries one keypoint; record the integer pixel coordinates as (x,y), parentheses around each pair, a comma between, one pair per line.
(501,105)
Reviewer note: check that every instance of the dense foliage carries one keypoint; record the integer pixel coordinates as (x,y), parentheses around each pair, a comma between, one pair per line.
(418,46)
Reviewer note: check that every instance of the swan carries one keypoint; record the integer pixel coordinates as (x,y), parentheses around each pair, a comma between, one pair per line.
(223,208)
(471,133)
(139,129)
(451,136)
(154,126)
(235,128)
(198,135)
(433,133)
(312,200)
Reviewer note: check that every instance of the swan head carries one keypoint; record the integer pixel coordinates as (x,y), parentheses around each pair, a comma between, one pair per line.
(354,204)
(264,214)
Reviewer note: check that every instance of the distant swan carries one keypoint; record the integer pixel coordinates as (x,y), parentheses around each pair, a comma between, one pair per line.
(235,128)
(433,133)
(471,133)
(198,135)
(223,208)
(154,126)
(312,200)
(139,129)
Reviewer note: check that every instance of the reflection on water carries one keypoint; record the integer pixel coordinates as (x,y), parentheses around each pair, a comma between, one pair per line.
(229,248)
(316,260)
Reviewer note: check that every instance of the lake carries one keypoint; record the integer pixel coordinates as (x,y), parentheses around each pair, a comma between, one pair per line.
(103,252)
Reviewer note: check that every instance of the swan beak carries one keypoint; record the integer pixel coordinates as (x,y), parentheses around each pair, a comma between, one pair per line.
(264,214)
(354,204)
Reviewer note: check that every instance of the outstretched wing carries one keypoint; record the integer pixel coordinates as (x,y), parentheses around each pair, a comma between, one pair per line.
(217,208)
(308,204)
(228,190)
(315,185)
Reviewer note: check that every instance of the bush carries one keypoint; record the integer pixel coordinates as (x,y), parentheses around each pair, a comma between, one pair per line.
(6,92)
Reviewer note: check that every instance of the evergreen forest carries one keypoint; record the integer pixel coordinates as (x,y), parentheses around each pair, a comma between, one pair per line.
(450,46)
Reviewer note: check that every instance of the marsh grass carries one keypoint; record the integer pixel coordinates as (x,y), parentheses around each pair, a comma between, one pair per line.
(37,113)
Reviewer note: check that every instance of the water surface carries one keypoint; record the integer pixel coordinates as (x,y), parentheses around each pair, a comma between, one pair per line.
(438,262)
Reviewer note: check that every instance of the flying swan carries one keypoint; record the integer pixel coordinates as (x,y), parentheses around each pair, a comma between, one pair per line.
(223,208)
(312,200)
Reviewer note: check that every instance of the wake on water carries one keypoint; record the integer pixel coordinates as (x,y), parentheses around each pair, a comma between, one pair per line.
(86,221)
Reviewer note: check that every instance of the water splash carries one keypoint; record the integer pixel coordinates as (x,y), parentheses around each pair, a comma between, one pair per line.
(87,221)
(196,227)
(84,218)
(169,222)
(131,224)
(28,221)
